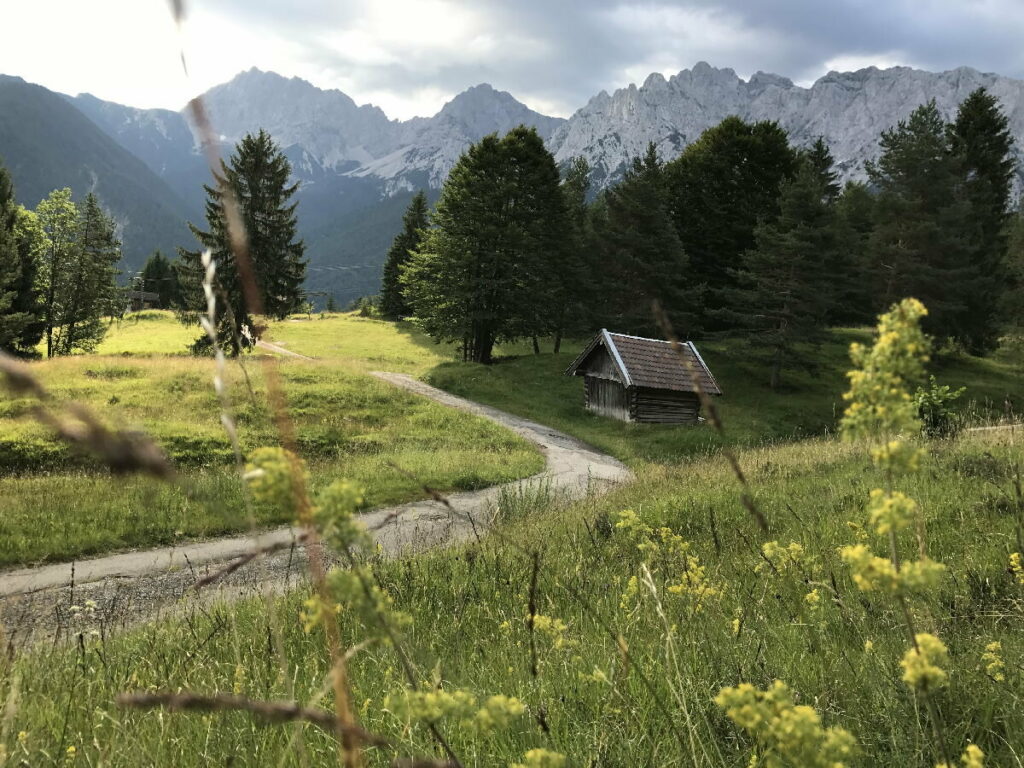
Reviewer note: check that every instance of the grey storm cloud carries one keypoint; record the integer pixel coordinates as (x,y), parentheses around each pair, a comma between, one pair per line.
(562,52)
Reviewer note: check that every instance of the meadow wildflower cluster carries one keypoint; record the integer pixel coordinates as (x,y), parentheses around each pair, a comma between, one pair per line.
(667,553)
(786,734)
(458,706)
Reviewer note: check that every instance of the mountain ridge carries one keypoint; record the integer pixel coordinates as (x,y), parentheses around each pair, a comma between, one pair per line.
(356,164)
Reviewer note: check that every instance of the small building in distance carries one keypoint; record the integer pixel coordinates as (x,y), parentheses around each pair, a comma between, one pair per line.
(643,380)
(139,300)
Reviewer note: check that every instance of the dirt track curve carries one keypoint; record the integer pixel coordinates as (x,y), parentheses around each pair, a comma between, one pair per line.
(36,603)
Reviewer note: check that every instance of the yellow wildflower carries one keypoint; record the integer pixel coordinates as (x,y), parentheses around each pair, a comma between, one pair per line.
(922,665)
(498,711)
(813,599)
(870,572)
(541,758)
(993,658)
(239,679)
(275,477)
(973,757)
(921,575)
(869,646)
(784,731)
(890,511)
(1017,567)
(879,398)
(552,627)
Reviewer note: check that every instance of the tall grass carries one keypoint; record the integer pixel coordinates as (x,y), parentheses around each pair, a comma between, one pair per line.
(608,690)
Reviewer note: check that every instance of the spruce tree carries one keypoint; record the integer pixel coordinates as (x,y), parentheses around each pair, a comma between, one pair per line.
(393,305)
(780,292)
(920,245)
(643,258)
(574,290)
(820,157)
(852,302)
(1012,300)
(720,187)
(258,175)
(58,219)
(482,273)
(980,139)
(20,308)
(91,291)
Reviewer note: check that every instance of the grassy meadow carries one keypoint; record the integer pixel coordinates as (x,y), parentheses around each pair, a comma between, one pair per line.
(59,505)
(629,644)
(628,675)
(806,406)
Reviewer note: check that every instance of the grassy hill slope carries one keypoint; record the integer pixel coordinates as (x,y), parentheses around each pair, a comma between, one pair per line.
(58,504)
(535,386)
(626,669)
(47,144)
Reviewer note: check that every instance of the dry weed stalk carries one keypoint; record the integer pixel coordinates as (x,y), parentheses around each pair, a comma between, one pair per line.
(345,714)
(271,711)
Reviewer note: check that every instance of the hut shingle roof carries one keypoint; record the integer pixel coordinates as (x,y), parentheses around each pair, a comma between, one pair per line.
(653,363)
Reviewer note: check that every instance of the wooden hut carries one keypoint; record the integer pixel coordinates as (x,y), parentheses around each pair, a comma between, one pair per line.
(642,380)
(139,300)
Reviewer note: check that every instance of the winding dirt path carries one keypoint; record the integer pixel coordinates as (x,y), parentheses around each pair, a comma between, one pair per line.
(124,588)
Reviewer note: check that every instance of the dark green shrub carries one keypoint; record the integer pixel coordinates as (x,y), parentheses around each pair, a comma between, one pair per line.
(933,407)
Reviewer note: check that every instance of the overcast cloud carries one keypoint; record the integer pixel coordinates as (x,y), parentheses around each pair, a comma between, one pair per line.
(410,56)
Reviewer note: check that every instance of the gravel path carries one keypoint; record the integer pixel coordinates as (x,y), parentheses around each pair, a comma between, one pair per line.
(122,589)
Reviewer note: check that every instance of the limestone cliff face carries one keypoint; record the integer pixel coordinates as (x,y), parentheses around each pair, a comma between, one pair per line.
(848,109)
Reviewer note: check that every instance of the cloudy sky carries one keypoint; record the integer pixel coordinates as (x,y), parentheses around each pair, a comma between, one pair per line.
(410,56)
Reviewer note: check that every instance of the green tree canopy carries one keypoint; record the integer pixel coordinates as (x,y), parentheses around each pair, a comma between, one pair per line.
(575,287)
(483,272)
(852,302)
(258,175)
(21,311)
(980,139)
(782,288)
(393,305)
(78,272)
(920,245)
(720,187)
(643,258)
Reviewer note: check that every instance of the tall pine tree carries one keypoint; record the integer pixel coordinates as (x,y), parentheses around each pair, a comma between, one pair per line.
(393,305)
(643,259)
(980,138)
(852,302)
(1012,299)
(91,291)
(780,293)
(720,187)
(258,174)
(920,245)
(574,285)
(20,309)
(820,157)
(482,273)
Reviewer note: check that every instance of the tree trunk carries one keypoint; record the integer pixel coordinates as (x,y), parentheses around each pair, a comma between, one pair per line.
(483,345)
(558,341)
(536,346)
